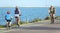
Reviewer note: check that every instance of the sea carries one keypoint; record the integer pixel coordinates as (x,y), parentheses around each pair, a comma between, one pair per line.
(27,13)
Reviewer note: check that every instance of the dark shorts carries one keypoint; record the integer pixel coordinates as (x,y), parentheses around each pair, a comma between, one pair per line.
(8,20)
(16,17)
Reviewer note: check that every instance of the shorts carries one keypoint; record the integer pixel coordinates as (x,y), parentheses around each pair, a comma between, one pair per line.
(8,20)
(16,15)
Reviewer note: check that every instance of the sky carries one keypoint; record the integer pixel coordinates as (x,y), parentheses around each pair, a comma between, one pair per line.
(29,3)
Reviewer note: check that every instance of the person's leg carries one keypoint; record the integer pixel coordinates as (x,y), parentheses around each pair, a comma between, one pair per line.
(54,16)
(7,25)
(51,17)
(9,22)
(18,22)
(52,20)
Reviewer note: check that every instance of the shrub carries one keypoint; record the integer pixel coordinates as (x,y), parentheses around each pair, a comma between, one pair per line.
(36,20)
(47,18)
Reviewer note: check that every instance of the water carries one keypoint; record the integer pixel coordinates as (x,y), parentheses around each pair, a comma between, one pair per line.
(28,13)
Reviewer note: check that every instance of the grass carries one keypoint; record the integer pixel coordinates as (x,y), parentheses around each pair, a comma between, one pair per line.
(2,26)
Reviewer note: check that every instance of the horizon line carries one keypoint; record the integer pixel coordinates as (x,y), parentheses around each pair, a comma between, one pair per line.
(30,6)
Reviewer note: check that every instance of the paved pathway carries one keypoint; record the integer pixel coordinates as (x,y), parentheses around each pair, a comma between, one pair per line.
(38,27)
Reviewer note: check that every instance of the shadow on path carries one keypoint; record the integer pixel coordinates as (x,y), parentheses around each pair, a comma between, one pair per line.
(40,28)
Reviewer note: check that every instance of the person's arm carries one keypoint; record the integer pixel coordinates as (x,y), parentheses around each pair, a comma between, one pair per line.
(55,10)
(11,17)
(49,11)
(19,13)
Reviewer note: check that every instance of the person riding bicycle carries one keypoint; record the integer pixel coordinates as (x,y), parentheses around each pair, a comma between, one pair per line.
(17,15)
(8,18)
(52,13)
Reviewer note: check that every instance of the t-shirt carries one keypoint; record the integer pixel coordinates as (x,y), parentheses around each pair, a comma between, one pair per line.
(16,12)
(8,17)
